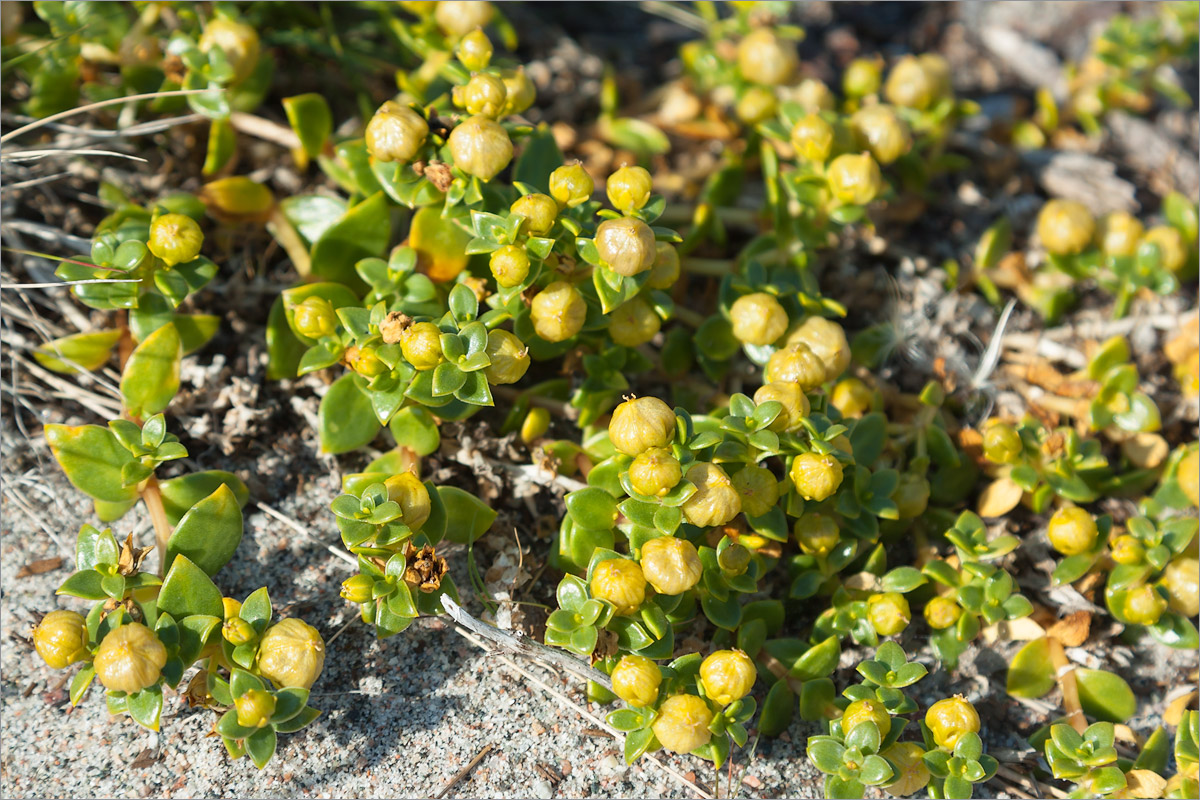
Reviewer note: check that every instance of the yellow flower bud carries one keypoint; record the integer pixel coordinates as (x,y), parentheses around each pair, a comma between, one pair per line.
(520,91)
(1143,605)
(480,147)
(130,658)
(817,534)
(763,57)
(862,77)
(483,94)
(641,423)
(1188,476)
(61,639)
(812,138)
(558,312)
(237,199)
(1171,248)
(509,355)
(475,51)
(854,179)
(421,345)
(509,265)
(291,653)
(415,503)
(911,773)
(798,364)
(1119,234)
(1072,531)
(942,612)
(815,476)
(629,188)
(315,318)
(758,489)
(635,680)
(727,675)
(536,423)
(1181,579)
(570,185)
(671,565)
(883,133)
(626,245)
(539,209)
(665,271)
(715,502)
(175,238)
(619,581)
(237,40)
(1126,549)
(911,84)
(655,472)
(1065,227)
(237,631)
(888,613)
(395,133)
(757,319)
(827,339)
(791,397)
(254,708)
(813,96)
(1002,444)
(852,397)
(682,723)
(861,711)
(949,719)
(460,17)
(358,588)
(633,323)
(911,495)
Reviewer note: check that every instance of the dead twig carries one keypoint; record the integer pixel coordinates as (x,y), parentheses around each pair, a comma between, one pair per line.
(462,773)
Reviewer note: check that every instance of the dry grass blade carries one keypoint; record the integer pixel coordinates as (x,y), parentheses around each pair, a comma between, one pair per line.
(92,106)
(34,181)
(34,155)
(21,287)
(298,528)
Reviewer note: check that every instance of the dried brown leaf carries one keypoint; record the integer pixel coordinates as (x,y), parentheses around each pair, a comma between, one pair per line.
(1146,450)
(1144,783)
(1072,630)
(39,567)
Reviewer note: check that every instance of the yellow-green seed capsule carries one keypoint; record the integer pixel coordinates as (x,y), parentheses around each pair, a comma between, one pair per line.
(911,495)
(816,533)
(1072,531)
(758,489)
(888,613)
(855,179)
(949,719)
(763,57)
(852,397)
(315,318)
(475,51)
(716,501)
(1181,579)
(671,565)
(1188,477)
(868,710)
(237,631)
(1126,549)
(480,147)
(558,312)
(1119,234)
(862,77)
(413,497)
(1143,605)
(757,319)
(539,209)
(795,404)
(629,188)
(254,708)
(483,94)
(460,17)
(635,680)
(509,355)
(1002,444)
(421,345)
(61,639)
(634,323)
(682,723)
(237,40)
(641,423)
(570,185)
(175,238)
(812,138)
(366,362)
(727,675)
(130,658)
(291,653)
(395,133)
(619,581)
(535,425)
(520,91)
(734,560)
(814,96)
(827,339)
(1171,248)
(756,104)
(358,588)
(509,265)
(912,85)
(942,612)
(665,271)
(882,132)
(1065,227)
(815,476)
(655,472)
(911,773)
(626,245)
(798,364)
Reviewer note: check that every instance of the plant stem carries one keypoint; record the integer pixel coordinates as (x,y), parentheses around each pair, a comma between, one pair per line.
(290,241)
(152,497)
(718,267)
(688,317)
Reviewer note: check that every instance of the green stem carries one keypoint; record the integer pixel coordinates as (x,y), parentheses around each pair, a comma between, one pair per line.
(717,267)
